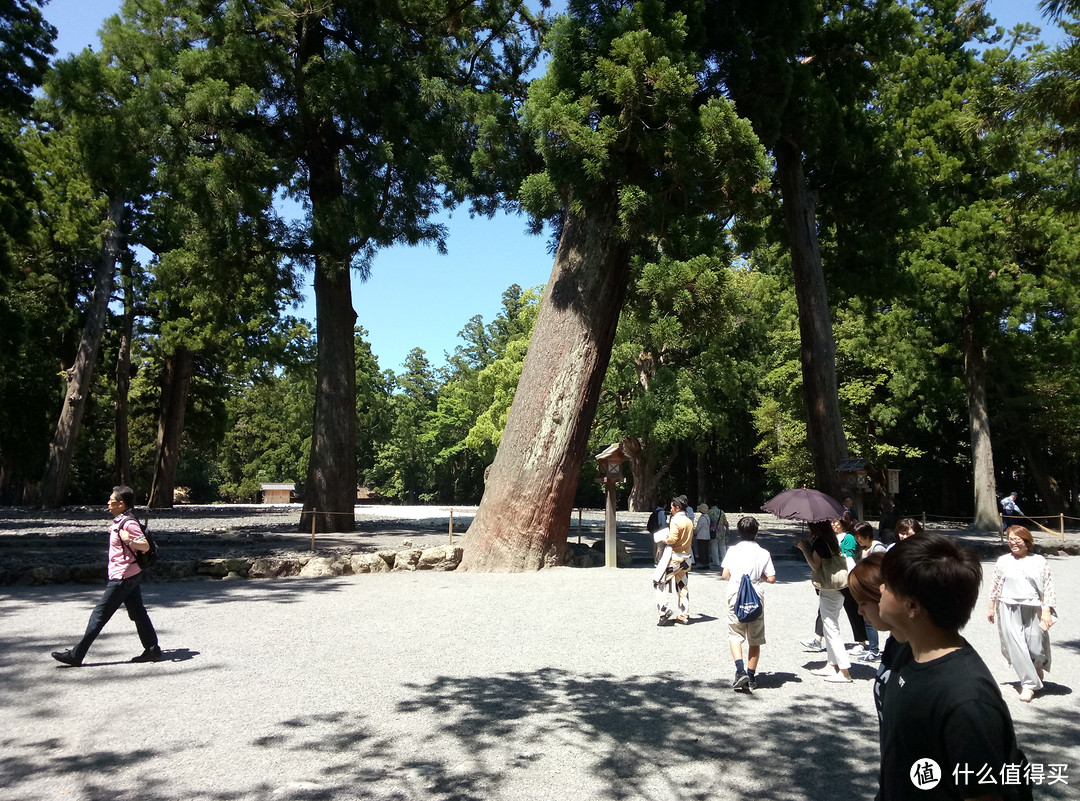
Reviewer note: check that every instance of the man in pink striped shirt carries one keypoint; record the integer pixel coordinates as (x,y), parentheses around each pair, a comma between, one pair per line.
(125,577)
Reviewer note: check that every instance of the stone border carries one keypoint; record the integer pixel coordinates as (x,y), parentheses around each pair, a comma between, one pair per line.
(441,558)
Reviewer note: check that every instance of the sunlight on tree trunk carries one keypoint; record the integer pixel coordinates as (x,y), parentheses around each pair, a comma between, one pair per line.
(524,515)
(982,451)
(178,369)
(824,429)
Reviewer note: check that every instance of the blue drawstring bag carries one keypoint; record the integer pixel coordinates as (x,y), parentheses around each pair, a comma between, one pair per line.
(747,601)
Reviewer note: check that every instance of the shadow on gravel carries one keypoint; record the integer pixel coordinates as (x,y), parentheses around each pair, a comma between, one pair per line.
(476,738)
(1050,740)
(51,758)
(1072,645)
(652,734)
(167,655)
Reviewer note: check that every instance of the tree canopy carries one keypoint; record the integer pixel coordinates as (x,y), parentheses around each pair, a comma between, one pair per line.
(717,176)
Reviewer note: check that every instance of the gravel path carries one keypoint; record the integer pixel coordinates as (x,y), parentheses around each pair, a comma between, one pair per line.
(553,685)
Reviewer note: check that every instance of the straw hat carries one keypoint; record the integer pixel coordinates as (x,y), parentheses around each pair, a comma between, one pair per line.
(703,508)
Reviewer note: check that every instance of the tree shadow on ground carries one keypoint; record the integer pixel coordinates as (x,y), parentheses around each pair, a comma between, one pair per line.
(22,688)
(536,734)
(1052,739)
(1072,645)
(648,734)
(22,761)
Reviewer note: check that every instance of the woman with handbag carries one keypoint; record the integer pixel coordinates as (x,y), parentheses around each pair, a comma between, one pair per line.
(1022,603)
(829,575)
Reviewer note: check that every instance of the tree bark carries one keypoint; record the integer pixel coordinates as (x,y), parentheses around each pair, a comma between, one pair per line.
(330,493)
(982,452)
(178,369)
(524,515)
(81,373)
(824,427)
(122,471)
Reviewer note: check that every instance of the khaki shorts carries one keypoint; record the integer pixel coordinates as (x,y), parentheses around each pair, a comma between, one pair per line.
(753,632)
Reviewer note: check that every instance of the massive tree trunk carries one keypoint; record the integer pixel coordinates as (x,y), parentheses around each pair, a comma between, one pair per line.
(123,378)
(524,515)
(982,452)
(178,369)
(331,482)
(824,428)
(645,472)
(81,373)
(330,493)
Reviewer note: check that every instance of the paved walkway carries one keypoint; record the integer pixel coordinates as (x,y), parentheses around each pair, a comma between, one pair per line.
(554,685)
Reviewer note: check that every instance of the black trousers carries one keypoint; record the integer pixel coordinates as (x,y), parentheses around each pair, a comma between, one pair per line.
(126,592)
(702,553)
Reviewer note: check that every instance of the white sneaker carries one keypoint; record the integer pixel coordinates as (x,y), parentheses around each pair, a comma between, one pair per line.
(858,650)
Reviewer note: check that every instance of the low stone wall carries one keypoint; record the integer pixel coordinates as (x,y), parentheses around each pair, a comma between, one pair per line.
(579,555)
(442,558)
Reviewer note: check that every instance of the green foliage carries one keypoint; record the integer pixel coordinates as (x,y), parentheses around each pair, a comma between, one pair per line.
(403,464)
(442,429)
(269,422)
(617,117)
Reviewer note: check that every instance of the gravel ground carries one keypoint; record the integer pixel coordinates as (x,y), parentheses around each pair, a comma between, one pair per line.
(552,685)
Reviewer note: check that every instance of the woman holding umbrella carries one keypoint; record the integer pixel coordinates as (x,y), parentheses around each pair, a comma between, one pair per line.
(829,574)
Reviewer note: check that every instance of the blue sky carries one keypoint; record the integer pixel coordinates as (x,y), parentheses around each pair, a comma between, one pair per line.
(416,297)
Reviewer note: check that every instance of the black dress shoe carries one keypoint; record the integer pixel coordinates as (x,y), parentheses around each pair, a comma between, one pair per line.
(149,655)
(67,658)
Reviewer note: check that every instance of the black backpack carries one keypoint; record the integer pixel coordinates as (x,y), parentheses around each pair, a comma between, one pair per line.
(654,522)
(144,559)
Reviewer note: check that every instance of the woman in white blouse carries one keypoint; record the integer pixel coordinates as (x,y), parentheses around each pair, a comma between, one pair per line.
(1022,603)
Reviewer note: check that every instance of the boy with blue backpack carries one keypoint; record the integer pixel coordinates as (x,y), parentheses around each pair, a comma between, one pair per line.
(747,568)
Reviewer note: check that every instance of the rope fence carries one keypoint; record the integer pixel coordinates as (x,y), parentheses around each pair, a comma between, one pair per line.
(1060,518)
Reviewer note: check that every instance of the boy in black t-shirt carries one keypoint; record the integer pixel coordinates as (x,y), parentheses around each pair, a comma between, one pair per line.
(946,732)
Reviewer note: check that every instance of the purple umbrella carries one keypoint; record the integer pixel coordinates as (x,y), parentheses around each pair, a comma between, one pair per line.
(808,505)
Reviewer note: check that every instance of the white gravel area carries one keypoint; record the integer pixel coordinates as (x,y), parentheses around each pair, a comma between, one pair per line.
(550,685)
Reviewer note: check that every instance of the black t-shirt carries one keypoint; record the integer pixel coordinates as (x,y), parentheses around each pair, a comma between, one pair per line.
(888,655)
(948,710)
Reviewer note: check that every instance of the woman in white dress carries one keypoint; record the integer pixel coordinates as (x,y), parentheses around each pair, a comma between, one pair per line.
(1022,603)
